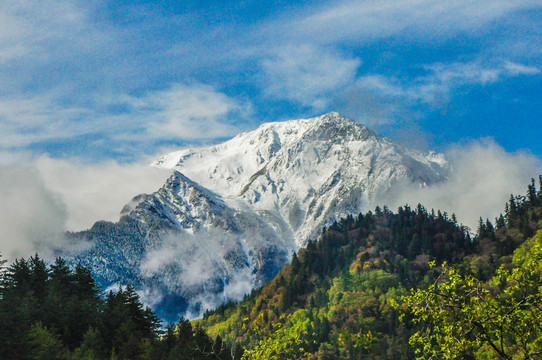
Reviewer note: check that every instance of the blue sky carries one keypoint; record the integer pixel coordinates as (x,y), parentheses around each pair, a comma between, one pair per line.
(91,91)
(98,80)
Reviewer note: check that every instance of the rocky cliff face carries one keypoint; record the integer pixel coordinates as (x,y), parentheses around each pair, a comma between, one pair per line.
(231,214)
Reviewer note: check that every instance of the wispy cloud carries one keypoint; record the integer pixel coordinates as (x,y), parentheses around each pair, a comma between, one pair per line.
(192,112)
(180,112)
(74,69)
(33,119)
(92,192)
(32,28)
(197,267)
(69,71)
(33,218)
(350,20)
(434,87)
(308,64)
(477,73)
(307,74)
(519,69)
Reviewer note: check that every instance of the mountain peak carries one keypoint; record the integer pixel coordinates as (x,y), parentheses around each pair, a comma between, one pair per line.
(231,213)
(298,170)
(335,117)
(336,128)
(331,118)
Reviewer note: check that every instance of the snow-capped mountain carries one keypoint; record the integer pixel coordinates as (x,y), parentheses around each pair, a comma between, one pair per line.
(300,175)
(231,214)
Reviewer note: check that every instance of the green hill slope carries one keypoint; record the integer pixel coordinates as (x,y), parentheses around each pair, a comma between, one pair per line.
(342,296)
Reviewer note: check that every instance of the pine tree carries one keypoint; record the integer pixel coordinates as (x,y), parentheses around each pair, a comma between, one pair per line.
(39,276)
(237,352)
(531,194)
(2,269)
(17,276)
(218,346)
(91,346)
(45,344)
(500,222)
(481,229)
(490,229)
(295,265)
(512,209)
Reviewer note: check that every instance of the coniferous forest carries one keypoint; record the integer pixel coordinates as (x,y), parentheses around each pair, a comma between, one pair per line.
(382,285)
(54,312)
(404,285)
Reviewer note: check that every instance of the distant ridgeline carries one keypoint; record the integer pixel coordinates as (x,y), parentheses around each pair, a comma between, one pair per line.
(348,295)
(380,285)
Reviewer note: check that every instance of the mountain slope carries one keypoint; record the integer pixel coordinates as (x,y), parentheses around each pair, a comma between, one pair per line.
(231,214)
(306,173)
(343,296)
(334,300)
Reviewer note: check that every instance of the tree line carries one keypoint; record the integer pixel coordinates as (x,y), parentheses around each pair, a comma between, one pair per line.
(54,312)
(349,295)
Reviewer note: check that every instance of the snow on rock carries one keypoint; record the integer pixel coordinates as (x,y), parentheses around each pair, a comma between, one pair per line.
(306,173)
(231,214)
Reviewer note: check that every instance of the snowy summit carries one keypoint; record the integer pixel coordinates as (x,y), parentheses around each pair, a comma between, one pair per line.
(305,173)
(231,214)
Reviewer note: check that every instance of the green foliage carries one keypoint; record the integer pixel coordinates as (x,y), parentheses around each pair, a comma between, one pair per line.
(292,340)
(344,296)
(44,344)
(334,300)
(53,312)
(467,318)
(351,285)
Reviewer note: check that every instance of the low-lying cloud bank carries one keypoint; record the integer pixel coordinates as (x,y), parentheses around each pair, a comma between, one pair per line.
(43,199)
(482,178)
(93,192)
(32,217)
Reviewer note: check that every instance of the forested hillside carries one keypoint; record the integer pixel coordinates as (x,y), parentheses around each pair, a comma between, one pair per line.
(347,295)
(54,312)
(380,285)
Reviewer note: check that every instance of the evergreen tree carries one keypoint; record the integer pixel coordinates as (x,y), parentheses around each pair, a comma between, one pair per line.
(91,347)
(44,344)
(531,194)
(500,222)
(39,276)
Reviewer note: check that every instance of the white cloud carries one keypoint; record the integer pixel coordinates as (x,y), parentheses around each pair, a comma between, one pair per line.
(307,74)
(238,286)
(150,297)
(440,81)
(483,177)
(372,19)
(32,217)
(68,70)
(519,69)
(193,112)
(30,28)
(467,73)
(67,73)
(32,119)
(93,192)
(195,265)
(39,201)
(181,112)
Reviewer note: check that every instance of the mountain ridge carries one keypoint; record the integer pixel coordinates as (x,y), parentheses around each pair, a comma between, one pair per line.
(315,153)
(232,214)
